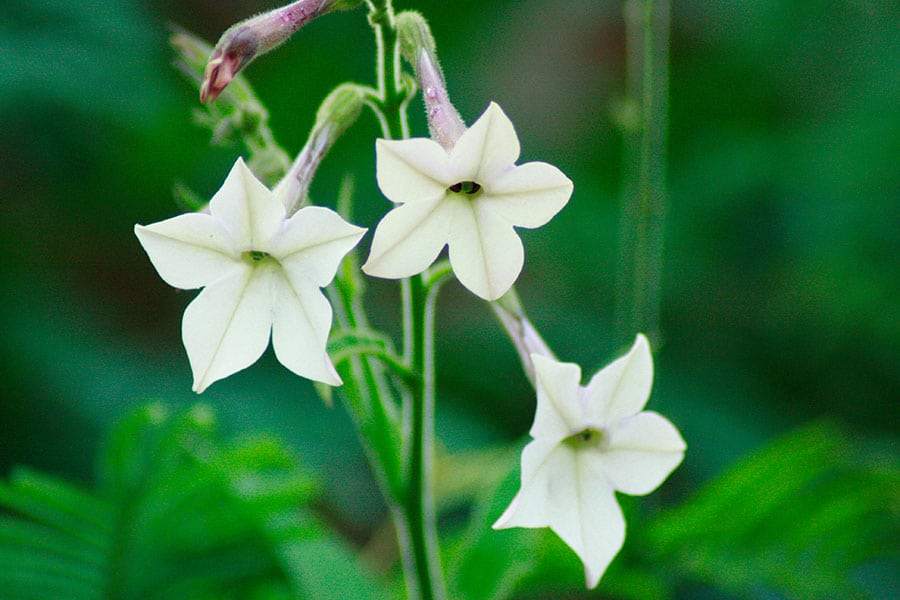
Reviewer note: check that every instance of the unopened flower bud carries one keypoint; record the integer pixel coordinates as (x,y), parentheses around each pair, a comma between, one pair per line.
(418,49)
(444,122)
(338,111)
(414,35)
(257,35)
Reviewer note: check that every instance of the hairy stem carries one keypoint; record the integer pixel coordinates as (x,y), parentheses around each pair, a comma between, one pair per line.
(414,514)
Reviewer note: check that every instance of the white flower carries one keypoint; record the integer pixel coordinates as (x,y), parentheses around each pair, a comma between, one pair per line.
(590,442)
(261,273)
(469,198)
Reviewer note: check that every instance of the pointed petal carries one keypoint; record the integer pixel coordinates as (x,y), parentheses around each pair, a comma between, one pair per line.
(643,451)
(558,414)
(587,517)
(543,462)
(247,207)
(485,251)
(226,328)
(485,149)
(408,239)
(300,329)
(622,388)
(313,242)
(528,195)
(569,492)
(189,251)
(411,170)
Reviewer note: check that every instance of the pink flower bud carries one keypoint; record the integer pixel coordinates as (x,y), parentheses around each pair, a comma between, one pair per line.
(257,35)
(444,122)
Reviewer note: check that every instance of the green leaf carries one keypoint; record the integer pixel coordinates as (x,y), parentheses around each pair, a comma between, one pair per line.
(797,518)
(178,513)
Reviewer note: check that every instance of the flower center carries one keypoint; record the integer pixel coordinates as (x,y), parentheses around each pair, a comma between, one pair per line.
(587,438)
(255,257)
(465,187)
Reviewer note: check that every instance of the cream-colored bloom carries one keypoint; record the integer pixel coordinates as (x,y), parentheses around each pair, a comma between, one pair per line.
(590,442)
(261,273)
(469,198)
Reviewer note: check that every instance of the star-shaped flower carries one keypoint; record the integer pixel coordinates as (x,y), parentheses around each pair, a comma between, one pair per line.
(261,272)
(469,198)
(590,442)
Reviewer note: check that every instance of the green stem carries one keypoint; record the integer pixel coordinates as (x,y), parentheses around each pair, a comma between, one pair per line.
(420,496)
(367,393)
(645,199)
(414,514)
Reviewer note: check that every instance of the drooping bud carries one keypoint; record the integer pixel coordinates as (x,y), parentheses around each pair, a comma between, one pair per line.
(238,117)
(418,49)
(252,38)
(338,112)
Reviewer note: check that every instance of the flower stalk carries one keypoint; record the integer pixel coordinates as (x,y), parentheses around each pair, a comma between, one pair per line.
(413,511)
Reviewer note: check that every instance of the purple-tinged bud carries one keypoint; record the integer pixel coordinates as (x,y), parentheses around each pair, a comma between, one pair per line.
(444,122)
(247,40)
(338,112)
(418,49)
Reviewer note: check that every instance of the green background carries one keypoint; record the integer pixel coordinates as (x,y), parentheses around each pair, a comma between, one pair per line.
(780,283)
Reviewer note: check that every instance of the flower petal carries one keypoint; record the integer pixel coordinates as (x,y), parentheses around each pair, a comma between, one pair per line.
(528,195)
(587,517)
(252,212)
(543,461)
(300,329)
(408,239)
(489,146)
(226,328)
(189,251)
(569,492)
(558,414)
(313,242)
(411,170)
(485,251)
(643,451)
(622,388)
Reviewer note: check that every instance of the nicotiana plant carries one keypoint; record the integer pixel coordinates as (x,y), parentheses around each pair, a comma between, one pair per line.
(263,257)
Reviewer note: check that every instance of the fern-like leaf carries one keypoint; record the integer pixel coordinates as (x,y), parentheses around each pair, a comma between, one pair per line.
(795,519)
(177,514)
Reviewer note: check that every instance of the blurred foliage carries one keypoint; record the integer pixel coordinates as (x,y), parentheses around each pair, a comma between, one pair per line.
(176,513)
(802,518)
(780,273)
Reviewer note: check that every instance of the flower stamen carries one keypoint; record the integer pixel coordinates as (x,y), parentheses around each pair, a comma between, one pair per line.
(465,187)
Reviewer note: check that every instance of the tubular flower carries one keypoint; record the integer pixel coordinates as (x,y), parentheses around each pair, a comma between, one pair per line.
(469,198)
(590,442)
(261,273)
